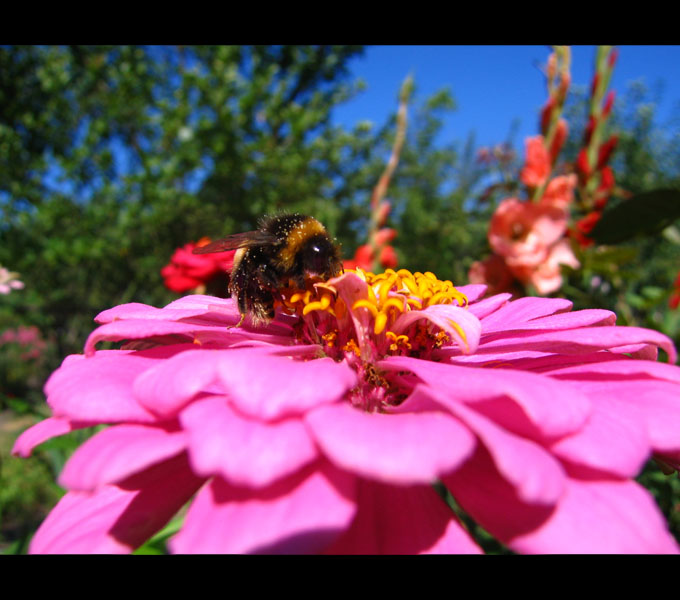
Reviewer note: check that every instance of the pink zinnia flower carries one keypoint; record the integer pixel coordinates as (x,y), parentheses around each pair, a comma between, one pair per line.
(323,431)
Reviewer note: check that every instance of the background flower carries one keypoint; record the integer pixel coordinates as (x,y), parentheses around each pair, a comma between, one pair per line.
(186,271)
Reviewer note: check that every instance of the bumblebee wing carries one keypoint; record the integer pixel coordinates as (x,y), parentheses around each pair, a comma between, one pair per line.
(247,239)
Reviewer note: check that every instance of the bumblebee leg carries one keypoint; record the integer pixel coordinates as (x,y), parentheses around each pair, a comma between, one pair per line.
(240,322)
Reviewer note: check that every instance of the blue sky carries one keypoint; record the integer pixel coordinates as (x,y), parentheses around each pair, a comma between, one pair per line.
(493,85)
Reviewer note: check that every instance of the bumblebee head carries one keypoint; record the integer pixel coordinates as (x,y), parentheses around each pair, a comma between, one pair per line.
(320,256)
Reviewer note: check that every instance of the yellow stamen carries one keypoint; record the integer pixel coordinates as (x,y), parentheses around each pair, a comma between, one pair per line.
(417,304)
(351,346)
(330,338)
(372,308)
(380,322)
(460,331)
(397,303)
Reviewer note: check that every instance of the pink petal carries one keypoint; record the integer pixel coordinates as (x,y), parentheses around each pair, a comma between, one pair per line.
(548,363)
(136,329)
(118,452)
(654,404)
(612,441)
(570,320)
(243,451)
(301,514)
(403,520)
(617,366)
(601,517)
(43,431)
(536,476)
(207,303)
(524,310)
(166,387)
(135,310)
(473,291)
(484,308)
(72,394)
(117,519)
(576,341)
(400,449)
(443,316)
(492,501)
(550,408)
(270,387)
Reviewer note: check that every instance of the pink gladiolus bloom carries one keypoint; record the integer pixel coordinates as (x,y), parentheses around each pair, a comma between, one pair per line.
(547,276)
(323,431)
(537,166)
(522,232)
(560,191)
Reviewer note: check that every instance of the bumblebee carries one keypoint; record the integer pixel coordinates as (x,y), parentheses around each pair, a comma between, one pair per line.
(284,248)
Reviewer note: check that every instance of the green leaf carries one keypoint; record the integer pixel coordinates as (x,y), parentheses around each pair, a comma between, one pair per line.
(644,214)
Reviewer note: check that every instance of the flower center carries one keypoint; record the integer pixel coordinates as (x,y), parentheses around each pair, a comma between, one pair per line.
(362,317)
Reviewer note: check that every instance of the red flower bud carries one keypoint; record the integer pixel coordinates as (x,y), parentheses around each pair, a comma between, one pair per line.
(590,127)
(385,235)
(606,180)
(586,224)
(609,102)
(383,211)
(545,114)
(558,140)
(551,68)
(604,189)
(565,82)
(388,257)
(606,151)
(594,84)
(582,165)
(612,57)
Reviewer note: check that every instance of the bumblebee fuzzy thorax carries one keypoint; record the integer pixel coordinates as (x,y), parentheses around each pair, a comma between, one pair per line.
(298,236)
